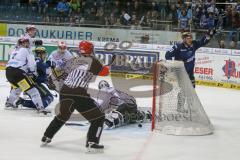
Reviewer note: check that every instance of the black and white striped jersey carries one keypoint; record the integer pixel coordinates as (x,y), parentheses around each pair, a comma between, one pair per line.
(81,71)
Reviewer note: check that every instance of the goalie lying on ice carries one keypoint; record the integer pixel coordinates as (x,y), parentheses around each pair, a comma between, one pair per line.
(119,107)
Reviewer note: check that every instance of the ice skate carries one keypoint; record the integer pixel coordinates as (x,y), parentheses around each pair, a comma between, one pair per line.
(10,106)
(94,148)
(43,112)
(45,140)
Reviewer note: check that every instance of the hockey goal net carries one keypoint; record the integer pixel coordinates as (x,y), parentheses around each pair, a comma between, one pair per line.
(176,106)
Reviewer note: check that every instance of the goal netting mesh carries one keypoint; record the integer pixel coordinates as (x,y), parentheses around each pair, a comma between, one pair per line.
(176,106)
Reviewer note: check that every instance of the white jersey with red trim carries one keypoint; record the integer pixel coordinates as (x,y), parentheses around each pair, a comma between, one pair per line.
(23,59)
(59,59)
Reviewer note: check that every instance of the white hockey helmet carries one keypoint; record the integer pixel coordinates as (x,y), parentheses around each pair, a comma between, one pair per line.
(29,27)
(62,45)
(103,84)
(24,40)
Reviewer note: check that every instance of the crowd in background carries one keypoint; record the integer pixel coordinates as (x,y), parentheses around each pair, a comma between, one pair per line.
(133,14)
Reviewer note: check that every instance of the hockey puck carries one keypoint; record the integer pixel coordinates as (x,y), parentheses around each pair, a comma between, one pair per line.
(140,125)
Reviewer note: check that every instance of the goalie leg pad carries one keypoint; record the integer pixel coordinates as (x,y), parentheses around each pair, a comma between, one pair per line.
(114,119)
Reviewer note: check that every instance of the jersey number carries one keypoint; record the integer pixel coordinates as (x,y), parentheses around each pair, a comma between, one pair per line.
(14,55)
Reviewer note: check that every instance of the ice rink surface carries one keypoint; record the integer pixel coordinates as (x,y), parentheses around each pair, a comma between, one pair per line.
(21,131)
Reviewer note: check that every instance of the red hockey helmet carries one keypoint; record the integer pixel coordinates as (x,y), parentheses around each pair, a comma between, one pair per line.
(62,45)
(86,48)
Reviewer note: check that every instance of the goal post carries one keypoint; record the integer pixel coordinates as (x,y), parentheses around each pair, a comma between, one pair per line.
(176,108)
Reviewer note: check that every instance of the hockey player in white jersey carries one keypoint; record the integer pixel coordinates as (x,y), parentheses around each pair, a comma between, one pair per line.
(58,59)
(120,108)
(19,71)
(30,33)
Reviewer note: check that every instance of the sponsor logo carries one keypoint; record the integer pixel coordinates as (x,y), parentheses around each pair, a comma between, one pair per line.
(230,69)
(108,39)
(205,71)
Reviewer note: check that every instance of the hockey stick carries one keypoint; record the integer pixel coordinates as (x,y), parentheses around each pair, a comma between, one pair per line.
(76,124)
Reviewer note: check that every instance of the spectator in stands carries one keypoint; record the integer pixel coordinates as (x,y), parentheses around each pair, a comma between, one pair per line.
(75,6)
(172,13)
(219,24)
(148,19)
(137,8)
(71,21)
(112,19)
(116,8)
(46,19)
(82,20)
(57,21)
(233,40)
(125,18)
(100,15)
(221,44)
(92,15)
(77,21)
(237,7)
(210,21)
(63,8)
(128,7)
(199,11)
(118,22)
(235,19)
(42,6)
(212,8)
(203,21)
(183,20)
(106,21)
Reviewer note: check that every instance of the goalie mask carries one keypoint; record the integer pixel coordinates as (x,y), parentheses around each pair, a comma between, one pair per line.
(103,84)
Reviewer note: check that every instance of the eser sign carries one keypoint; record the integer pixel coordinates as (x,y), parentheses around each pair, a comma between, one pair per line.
(205,71)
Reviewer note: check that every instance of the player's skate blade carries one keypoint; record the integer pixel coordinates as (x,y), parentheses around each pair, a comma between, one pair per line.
(9,106)
(45,140)
(93,148)
(44,112)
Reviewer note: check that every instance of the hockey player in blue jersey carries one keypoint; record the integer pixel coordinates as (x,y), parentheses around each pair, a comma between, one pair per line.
(42,68)
(185,52)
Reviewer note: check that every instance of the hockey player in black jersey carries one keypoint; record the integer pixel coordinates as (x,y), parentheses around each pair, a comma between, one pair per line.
(73,95)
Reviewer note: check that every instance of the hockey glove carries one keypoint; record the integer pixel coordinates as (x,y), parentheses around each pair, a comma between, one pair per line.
(114,119)
(38,42)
